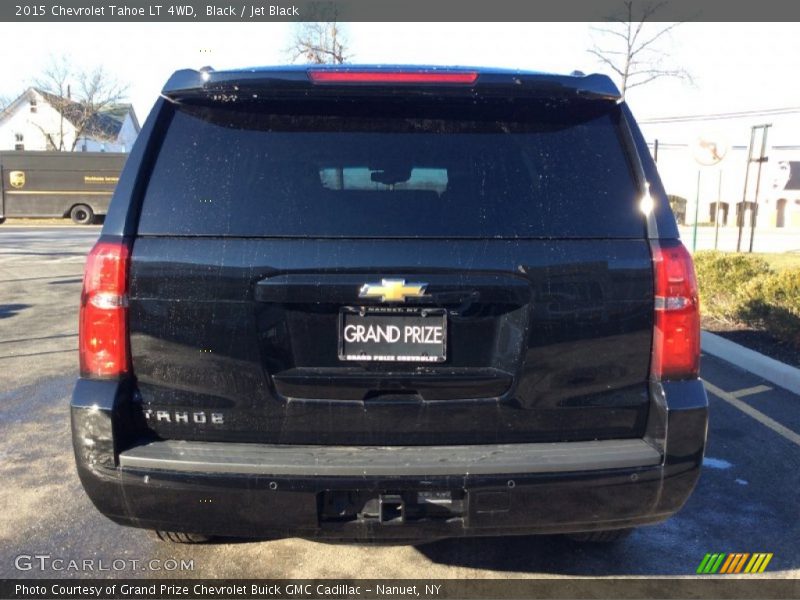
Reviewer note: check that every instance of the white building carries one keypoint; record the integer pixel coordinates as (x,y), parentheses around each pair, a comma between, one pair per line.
(779,185)
(32,123)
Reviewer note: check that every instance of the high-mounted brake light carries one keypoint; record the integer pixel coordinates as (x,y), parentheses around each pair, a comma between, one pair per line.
(676,331)
(326,76)
(103,335)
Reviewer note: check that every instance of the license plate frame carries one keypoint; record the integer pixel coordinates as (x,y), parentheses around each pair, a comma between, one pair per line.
(400,316)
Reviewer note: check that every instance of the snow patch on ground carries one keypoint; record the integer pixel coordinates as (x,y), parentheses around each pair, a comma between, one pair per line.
(716,463)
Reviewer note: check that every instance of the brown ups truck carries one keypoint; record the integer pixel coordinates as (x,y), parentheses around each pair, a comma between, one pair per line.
(58,184)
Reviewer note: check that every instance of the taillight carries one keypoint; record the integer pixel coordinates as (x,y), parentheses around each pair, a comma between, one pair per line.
(411,76)
(103,335)
(676,332)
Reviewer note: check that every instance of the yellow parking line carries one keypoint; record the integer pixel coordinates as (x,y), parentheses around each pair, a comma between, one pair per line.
(750,391)
(756,414)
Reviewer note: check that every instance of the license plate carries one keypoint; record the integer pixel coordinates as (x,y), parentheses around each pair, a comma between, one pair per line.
(392,334)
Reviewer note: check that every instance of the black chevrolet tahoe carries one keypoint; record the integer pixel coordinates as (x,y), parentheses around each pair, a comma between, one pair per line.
(389,304)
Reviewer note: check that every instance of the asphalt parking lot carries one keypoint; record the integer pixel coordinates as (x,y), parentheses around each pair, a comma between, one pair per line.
(746,501)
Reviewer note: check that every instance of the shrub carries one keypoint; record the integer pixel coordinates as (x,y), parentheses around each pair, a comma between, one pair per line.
(772,302)
(721,278)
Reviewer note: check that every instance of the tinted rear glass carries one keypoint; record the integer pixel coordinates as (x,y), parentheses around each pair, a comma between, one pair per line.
(555,172)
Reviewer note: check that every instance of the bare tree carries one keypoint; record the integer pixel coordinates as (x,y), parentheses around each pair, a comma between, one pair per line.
(319,42)
(633,52)
(80,97)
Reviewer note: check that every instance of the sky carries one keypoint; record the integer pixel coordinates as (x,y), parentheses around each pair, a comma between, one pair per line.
(734,66)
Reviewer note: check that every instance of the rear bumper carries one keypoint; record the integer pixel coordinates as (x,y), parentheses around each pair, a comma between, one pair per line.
(389,494)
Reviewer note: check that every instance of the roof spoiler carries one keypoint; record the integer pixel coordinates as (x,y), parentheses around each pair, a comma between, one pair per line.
(206,82)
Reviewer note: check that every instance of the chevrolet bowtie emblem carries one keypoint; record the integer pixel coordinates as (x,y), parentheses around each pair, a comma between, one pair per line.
(392,290)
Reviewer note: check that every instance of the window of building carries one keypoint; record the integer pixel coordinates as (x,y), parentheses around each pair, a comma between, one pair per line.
(18,137)
(34,106)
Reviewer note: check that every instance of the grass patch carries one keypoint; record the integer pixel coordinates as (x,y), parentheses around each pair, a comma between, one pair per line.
(761,291)
(780,262)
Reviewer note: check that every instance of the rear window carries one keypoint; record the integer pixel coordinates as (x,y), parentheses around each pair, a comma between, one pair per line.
(555,172)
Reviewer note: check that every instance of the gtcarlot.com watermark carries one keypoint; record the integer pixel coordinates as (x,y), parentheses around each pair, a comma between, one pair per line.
(48,563)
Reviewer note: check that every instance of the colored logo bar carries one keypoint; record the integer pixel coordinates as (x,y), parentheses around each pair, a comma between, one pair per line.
(728,564)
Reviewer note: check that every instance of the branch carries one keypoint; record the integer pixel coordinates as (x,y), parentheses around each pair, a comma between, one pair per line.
(49,138)
(651,9)
(599,54)
(658,35)
(609,31)
(653,74)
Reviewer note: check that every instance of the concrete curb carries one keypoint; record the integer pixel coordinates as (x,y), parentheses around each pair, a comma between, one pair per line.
(779,373)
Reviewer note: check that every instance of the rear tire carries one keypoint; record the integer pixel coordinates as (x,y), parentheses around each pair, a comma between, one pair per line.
(81,214)
(179,537)
(601,537)
(2,220)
